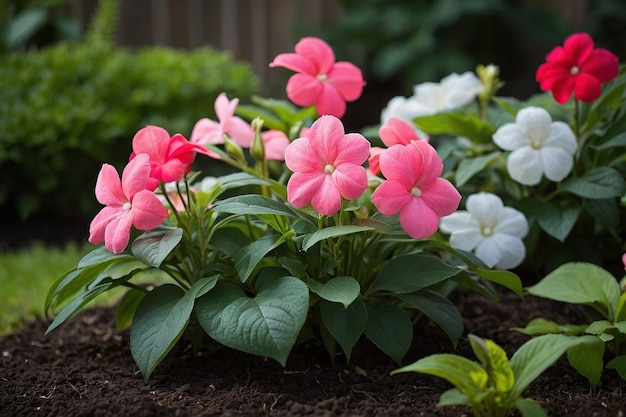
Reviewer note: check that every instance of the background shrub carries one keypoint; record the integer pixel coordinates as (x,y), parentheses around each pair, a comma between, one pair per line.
(68,108)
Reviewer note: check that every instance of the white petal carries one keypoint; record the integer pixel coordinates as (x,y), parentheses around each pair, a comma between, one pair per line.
(525,166)
(512,250)
(562,136)
(458,221)
(428,95)
(512,222)
(466,239)
(536,122)
(403,108)
(557,163)
(486,208)
(510,137)
(489,252)
(459,90)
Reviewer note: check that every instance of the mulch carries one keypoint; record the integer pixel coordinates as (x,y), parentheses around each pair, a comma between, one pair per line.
(84,368)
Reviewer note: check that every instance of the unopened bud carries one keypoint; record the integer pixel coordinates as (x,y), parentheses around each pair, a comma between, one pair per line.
(258,147)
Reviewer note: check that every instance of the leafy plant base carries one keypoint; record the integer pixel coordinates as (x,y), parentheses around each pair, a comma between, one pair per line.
(84,368)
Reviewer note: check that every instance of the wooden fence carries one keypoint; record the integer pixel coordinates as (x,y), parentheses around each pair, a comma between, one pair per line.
(251,30)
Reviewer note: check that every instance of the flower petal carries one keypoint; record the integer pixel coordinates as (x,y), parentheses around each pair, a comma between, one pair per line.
(525,166)
(207,131)
(512,222)
(117,232)
(557,163)
(152,140)
(330,102)
(510,136)
(303,89)
(318,52)
(350,180)
(441,196)
(418,220)
(109,188)
(390,196)
(99,223)
(347,79)
(148,211)
(561,136)
(459,221)
(135,175)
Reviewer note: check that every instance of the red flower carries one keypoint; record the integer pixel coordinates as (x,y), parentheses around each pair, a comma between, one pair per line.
(577,67)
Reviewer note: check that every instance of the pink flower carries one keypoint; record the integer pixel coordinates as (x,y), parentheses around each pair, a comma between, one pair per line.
(170,158)
(320,80)
(275,141)
(374,160)
(577,67)
(394,132)
(326,165)
(128,203)
(207,131)
(413,188)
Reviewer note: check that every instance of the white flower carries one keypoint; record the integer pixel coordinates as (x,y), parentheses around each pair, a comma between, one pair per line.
(452,92)
(494,232)
(540,146)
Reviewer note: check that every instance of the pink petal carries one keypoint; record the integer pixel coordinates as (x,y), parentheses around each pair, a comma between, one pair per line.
(207,131)
(418,220)
(302,186)
(325,138)
(148,211)
(330,102)
(353,149)
(318,52)
(152,140)
(300,157)
(303,89)
(390,196)
(397,163)
(275,142)
(172,170)
(347,79)
(135,175)
(241,132)
(397,131)
(442,197)
(294,62)
(432,165)
(374,159)
(99,223)
(109,188)
(117,233)
(224,109)
(350,180)
(326,199)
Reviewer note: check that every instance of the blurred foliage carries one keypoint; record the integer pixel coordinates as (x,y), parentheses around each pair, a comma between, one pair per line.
(411,41)
(26,23)
(69,108)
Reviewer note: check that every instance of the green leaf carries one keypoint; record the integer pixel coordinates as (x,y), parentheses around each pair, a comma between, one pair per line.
(346,325)
(389,328)
(579,283)
(494,360)
(529,408)
(265,325)
(540,325)
(453,397)
(248,257)
(620,310)
(618,141)
(587,359)
(160,320)
(619,364)
(603,182)
(604,210)
(23,26)
(537,355)
(332,231)
(126,308)
(477,130)
(557,219)
(342,289)
(409,273)
(101,255)
(438,309)
(152,247)
(466,375)
(506,278)
(253,204)
(469,167)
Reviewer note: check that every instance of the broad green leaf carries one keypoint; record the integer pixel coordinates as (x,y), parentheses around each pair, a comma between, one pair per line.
(619,364)
(469,167)
(587,359)
(253,204)
(152,247)
(265,325)
(557,219)
(329,232)
(599,326)
(389,328)
(529,408)
(620,310)
(23,26)
(409,273)
(342,289)
(453,397)
(618,141)
(579,283)
(540,325)
(160,320)
(126,308)
(248,257)
(602,182)
(506,278)
(466,375)
(495,362)
(101,255)
(438,309)
(606,211)
(537,355)
(270,121)
(454,123)
(346,325)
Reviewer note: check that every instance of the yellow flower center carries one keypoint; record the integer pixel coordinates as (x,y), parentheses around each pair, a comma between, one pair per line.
(574,70)
(486,231)
(329,169)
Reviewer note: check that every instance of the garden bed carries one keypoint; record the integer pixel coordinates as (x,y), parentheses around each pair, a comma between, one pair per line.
(84,368)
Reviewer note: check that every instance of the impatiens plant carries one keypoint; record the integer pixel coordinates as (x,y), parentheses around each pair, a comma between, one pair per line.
(594,287)
(277,253)
(494,385)
(560,163)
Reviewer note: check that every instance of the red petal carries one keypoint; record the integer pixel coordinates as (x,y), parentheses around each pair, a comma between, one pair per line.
(587,87)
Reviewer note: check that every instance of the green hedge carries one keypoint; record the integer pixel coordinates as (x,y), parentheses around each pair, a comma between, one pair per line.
(67,109)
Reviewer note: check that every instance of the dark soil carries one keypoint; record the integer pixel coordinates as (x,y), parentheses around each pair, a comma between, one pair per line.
(84,368)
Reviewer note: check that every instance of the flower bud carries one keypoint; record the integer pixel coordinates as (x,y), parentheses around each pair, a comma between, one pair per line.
(258,147)
(234,150)
(488,76)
